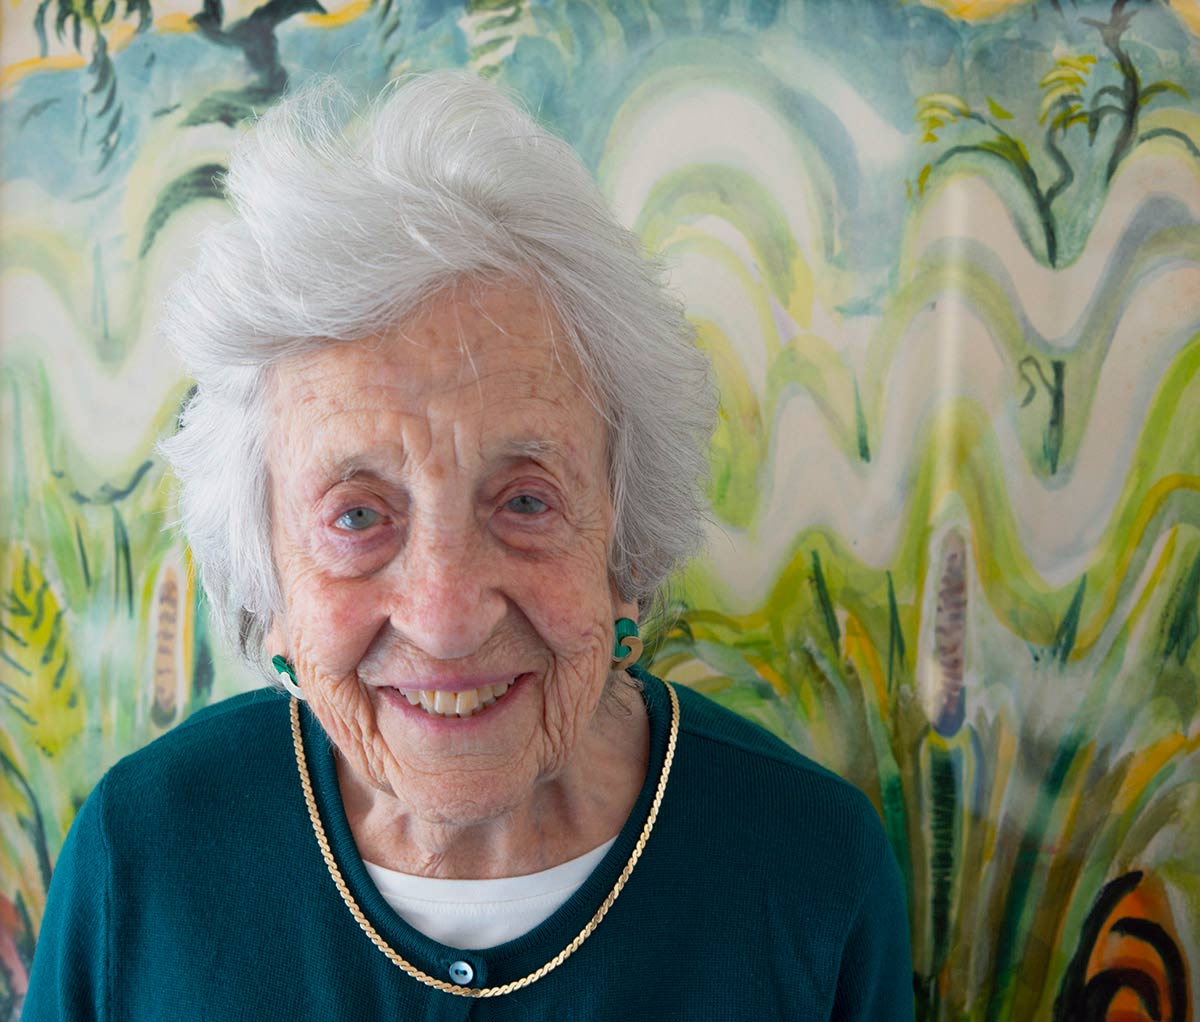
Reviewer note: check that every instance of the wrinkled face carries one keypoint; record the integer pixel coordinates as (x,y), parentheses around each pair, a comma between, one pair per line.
(440,528)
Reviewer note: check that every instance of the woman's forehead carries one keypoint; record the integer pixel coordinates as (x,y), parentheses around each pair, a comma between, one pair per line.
(466,337)
(494,366)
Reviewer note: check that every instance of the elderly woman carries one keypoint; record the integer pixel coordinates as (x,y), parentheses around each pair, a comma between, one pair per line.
(447,446)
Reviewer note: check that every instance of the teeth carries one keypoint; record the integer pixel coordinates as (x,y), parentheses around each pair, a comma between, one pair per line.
(457,704)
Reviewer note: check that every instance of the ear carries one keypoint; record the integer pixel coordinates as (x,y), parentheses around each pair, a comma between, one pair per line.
(274,641)
(626,609)
(622,608)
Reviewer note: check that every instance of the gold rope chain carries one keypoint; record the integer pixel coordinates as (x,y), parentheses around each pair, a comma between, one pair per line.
(424,977)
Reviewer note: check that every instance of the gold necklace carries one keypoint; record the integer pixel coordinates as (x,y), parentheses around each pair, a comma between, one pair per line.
(450,988)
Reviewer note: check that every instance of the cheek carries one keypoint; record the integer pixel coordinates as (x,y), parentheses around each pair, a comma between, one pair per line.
(570,617)
(570,607)
(333,624)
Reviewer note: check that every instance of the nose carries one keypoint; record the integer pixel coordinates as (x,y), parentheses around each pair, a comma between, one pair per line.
(449,600)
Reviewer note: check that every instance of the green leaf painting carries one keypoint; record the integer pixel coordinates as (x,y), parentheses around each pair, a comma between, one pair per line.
(944,256)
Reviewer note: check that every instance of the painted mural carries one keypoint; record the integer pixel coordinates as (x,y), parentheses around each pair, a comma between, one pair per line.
(945,256)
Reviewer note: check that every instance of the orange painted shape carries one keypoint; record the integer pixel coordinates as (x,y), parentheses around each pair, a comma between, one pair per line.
(1148,901)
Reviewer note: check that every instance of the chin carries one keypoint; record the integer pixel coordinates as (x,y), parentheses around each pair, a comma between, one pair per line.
(463,812)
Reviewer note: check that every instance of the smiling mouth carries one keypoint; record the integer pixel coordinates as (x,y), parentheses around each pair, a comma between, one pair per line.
(457,704)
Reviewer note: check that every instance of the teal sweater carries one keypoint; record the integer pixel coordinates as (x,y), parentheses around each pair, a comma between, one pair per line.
(191,887)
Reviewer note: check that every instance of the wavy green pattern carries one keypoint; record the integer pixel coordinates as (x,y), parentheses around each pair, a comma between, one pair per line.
(1019,699)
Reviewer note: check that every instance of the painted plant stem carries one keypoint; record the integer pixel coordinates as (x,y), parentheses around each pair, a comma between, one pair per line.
(34,827)
(1011,153)
(1052,437)
(943,760)
(1130,93)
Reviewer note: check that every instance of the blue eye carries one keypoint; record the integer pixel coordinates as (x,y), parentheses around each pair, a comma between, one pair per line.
(357,519)
(526,505)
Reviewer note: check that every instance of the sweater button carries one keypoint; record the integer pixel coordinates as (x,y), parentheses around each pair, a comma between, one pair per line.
(461,973)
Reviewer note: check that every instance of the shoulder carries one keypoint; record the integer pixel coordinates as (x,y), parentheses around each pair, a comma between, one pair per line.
(211,760)
(793,810)
(749,750)
(766,845)
(706,719)
(228,734)
(153,876)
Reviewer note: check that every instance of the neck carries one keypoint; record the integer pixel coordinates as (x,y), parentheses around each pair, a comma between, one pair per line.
(563,817)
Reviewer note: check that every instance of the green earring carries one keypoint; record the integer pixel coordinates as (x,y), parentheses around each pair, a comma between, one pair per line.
(627,648)
(287,676)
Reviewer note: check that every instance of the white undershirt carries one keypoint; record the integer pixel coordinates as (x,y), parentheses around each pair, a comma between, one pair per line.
(474,914)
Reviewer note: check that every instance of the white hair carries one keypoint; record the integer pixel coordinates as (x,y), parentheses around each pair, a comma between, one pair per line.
(347,218)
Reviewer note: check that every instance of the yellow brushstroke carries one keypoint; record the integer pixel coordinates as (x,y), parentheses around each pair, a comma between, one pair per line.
(975,10)
(1147,762)
(698,241)
(44,693)
(664,665)
(768,672)
(800,303)
(15,72)
(1151,587)
(859,648)
(1150,506)
(117,37)
(691,672)
(340,17)
(120,36)
(1189,13)
(1001,770)
(1066,816)
(174,24)
(960,740)
(189,625)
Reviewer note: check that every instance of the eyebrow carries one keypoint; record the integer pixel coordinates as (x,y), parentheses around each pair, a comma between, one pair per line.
(353,466)
(514,450)
(541,452)
(533,449)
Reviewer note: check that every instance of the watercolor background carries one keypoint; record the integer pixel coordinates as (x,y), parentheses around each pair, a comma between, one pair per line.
(946,259)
